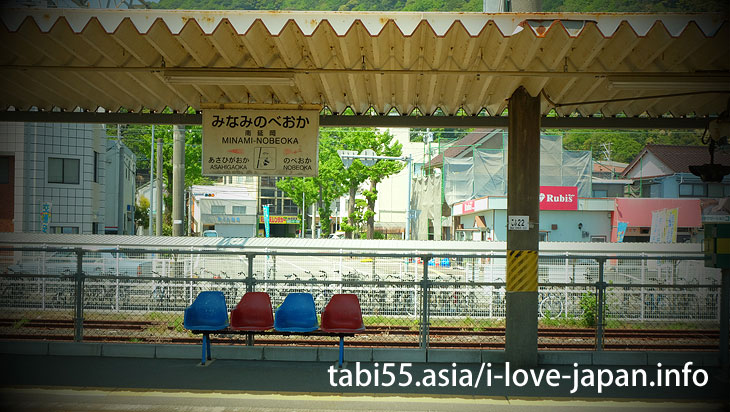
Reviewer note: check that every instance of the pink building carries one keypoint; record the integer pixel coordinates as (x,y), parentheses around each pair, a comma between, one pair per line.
(637,213)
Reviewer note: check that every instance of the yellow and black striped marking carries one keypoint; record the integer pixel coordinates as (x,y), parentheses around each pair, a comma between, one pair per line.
(522,271)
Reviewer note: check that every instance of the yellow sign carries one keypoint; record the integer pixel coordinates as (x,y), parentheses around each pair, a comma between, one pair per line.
(281,220)
(522,271)
(280,142)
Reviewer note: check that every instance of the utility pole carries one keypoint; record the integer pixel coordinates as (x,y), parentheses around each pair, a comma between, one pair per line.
(120,184)
(525,6)
(304,212)
(607,150)
(314,220)
(494,6)
(178,179)
(158,223)
(152,180)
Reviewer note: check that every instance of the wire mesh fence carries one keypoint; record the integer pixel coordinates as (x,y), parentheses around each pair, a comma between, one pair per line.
(449,301)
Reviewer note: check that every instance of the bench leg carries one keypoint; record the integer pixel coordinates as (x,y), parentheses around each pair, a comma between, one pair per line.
(205,340)
(208,347)
(342,349)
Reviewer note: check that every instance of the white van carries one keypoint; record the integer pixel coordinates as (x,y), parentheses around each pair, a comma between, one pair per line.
(337,235)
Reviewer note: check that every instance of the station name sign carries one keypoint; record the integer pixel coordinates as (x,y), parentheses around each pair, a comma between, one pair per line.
(261,142)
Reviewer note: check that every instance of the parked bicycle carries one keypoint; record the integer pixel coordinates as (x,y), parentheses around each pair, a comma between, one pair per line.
(551,303)
(160,292)
(64,296)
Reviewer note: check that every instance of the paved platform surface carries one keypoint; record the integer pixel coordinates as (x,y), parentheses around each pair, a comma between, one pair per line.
(51,400)
(94,383)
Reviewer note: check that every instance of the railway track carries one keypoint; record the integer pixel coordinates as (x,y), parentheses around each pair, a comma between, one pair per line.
(373,336)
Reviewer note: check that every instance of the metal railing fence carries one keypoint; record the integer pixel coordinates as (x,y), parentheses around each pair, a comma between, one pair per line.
(448,300)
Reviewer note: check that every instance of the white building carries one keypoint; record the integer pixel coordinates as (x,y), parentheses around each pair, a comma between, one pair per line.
(58,172)
(121,169)
(392,204)
(229,210)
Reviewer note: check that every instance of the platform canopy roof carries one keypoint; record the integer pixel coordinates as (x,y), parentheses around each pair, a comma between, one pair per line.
(450,63)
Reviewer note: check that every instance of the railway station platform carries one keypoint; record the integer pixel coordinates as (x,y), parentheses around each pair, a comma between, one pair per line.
(87,376)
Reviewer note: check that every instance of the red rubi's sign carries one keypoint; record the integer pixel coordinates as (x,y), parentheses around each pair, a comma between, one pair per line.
(558,198)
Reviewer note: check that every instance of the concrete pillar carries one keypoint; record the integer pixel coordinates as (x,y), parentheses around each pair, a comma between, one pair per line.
(493,6)
(526,6)
(178,179)
(158,194)
(152,180)
(523,208)
(121,209)
(725,320)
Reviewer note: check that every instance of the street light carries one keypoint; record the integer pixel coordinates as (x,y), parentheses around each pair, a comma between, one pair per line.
(368,158)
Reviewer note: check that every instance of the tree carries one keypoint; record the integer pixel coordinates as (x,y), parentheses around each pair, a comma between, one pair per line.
(355,139)
(623,6)
(383,145)
(438,134)
(359,139)
(294,187)
(322,189)
(329,182)
(445,5)
(334,180)
(141,212)
(625,144)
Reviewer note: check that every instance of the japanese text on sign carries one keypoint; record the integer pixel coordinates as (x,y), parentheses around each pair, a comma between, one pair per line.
(260,142)
(45,216)
(261,122)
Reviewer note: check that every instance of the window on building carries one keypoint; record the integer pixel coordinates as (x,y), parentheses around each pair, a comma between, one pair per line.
(63,170)
(66,230)
(646,189)
(4,170)
(290,208)
(268,181)
(218,210)
(600,193)
(273,205)
(417,169)
(600,239)
(239,210)
(656,191)
(685,190)
(543,236)
(95,227)
(715,190)
(96,167)
(267,192)
(692,190)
